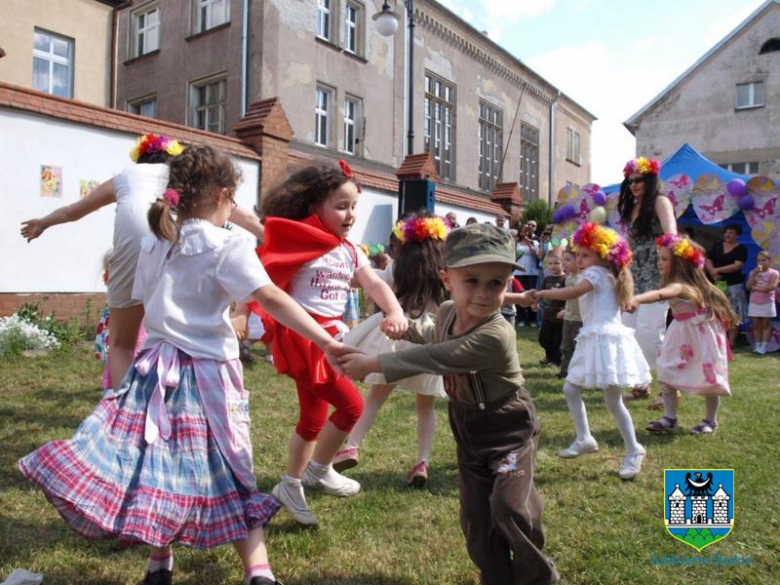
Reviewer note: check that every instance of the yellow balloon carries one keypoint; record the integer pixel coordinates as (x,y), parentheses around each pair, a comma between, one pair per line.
(598,215)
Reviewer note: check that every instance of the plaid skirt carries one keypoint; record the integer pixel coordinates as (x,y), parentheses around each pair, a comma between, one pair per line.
(108,482)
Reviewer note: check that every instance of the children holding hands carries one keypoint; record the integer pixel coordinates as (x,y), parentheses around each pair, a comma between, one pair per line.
(491,414)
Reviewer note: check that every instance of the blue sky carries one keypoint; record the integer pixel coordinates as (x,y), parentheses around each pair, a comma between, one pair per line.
(611,56)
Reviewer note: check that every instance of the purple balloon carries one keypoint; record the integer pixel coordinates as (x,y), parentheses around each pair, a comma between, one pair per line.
(600,198)
(746,202)
(567,211)
(737,187)
(557,216)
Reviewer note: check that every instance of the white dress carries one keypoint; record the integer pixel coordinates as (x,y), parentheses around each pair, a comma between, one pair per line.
(368,337)
(607,353)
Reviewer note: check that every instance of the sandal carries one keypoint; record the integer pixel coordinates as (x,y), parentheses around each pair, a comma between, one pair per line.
(705,427)
(346,459)
(637,393)
(664,424)
(418,476)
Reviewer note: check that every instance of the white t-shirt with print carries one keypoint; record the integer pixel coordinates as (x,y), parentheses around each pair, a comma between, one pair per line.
(321,286)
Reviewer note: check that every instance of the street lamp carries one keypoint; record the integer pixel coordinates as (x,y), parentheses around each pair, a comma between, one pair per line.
(386,25)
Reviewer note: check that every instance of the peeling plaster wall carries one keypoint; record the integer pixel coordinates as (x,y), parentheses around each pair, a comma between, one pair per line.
(701,109)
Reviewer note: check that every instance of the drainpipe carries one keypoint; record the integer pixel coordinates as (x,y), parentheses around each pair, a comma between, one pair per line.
(550,181)
(244,57)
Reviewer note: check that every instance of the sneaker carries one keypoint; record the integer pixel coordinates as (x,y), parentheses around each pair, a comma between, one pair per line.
(521,324)
(632,464)
(332,482)
(578,448)
(346,459)
(533,324)
(561,375)
(544,362)
(295,503)
(263,581)
(160,577)
(418,476)
(705,427)
(269,358)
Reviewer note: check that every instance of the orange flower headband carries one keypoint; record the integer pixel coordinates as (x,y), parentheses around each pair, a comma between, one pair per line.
(682,248)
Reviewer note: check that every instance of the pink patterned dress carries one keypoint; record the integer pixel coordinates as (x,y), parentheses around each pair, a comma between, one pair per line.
(694,355)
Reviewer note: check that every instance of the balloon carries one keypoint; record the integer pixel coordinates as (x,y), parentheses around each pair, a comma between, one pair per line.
(567,211)
(564,242)
(598,215)
(737,187)
(746,202)
(555,242)
(556,217)
(599,198)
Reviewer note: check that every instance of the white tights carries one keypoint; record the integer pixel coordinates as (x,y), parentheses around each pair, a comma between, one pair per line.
(614,401)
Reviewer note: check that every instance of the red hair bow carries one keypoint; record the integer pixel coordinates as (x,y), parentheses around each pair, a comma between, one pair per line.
(347,170)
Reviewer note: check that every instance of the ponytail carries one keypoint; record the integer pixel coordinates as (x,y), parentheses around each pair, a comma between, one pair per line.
(161,221)
(624,284)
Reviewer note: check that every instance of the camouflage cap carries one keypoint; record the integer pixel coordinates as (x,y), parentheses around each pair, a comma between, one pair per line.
(479,243)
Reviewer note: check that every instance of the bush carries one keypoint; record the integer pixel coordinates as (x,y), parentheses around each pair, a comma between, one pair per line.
(540,212)
(17,334)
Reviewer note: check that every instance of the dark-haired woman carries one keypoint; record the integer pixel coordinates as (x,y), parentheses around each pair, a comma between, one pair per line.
(647,214)
(724,263)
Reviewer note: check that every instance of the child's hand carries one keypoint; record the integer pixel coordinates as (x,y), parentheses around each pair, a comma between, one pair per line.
(526,298)
(336,351)
(631,306)
(32,228)
(560,314)
(241,325)
(357,366)
(394,325)
(536,294)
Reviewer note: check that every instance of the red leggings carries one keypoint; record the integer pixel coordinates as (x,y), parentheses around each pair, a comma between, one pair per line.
(314,400)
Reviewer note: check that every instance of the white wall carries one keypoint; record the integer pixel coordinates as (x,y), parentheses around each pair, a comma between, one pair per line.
(68,257)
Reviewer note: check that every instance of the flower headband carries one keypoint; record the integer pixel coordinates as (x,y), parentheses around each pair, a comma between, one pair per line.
(421,228)
(646,166)
(681,247)
(605,242)
(151,143)
(347,170)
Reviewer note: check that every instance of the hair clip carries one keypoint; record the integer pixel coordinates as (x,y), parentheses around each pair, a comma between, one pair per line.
(171,196)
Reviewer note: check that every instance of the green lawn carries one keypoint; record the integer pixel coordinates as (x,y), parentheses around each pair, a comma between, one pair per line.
(599,529)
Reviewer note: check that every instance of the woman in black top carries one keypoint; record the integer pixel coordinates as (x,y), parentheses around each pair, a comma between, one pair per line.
(724,263)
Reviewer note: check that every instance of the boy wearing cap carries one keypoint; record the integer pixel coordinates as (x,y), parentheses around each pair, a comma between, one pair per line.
(491,414)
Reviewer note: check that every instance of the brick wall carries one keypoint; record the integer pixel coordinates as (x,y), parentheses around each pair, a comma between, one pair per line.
(63,305)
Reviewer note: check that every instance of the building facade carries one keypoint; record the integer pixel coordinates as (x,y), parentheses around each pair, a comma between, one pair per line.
(484,117)
(60,47)
(726,105)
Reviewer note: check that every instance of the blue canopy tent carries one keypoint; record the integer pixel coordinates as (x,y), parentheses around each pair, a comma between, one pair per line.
(688,161)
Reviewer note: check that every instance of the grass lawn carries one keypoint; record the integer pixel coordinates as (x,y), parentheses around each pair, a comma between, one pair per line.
(599,528)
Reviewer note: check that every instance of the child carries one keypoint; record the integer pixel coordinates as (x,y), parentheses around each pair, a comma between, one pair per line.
(167,457)
(607,355)
(419,290)
(694,353)
(762,282)
(572,321)
(306,252)
(491,414)
(552,325)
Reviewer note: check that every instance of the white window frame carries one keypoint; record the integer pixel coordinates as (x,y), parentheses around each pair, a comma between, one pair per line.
(52,59)
(353,29)
(351,125)
(140,106)
(530,139)
(491,120)
(206,15)
(325,19)
(209,109)
(323,114)
(573,146)
(752,98)
(742,168)
(141,35)
(439,124)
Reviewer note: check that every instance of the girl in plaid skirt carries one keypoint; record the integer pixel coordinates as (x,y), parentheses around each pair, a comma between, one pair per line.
(167,457)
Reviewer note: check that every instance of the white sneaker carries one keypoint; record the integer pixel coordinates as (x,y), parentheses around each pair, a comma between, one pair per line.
(578,448)
(632,464)
(761,349)
(332,482)
(294,501)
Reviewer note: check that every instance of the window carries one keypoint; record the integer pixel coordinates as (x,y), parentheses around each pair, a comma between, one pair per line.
(529,162)
(53,64)
(490,140)
(750,95)
(573,146)
(770,46)
(323,19)
(439,128)
(210,13)
(208,105)
(144,107)
(744,168)
(351,118)
(353,19)
(146,31)
(323,100)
